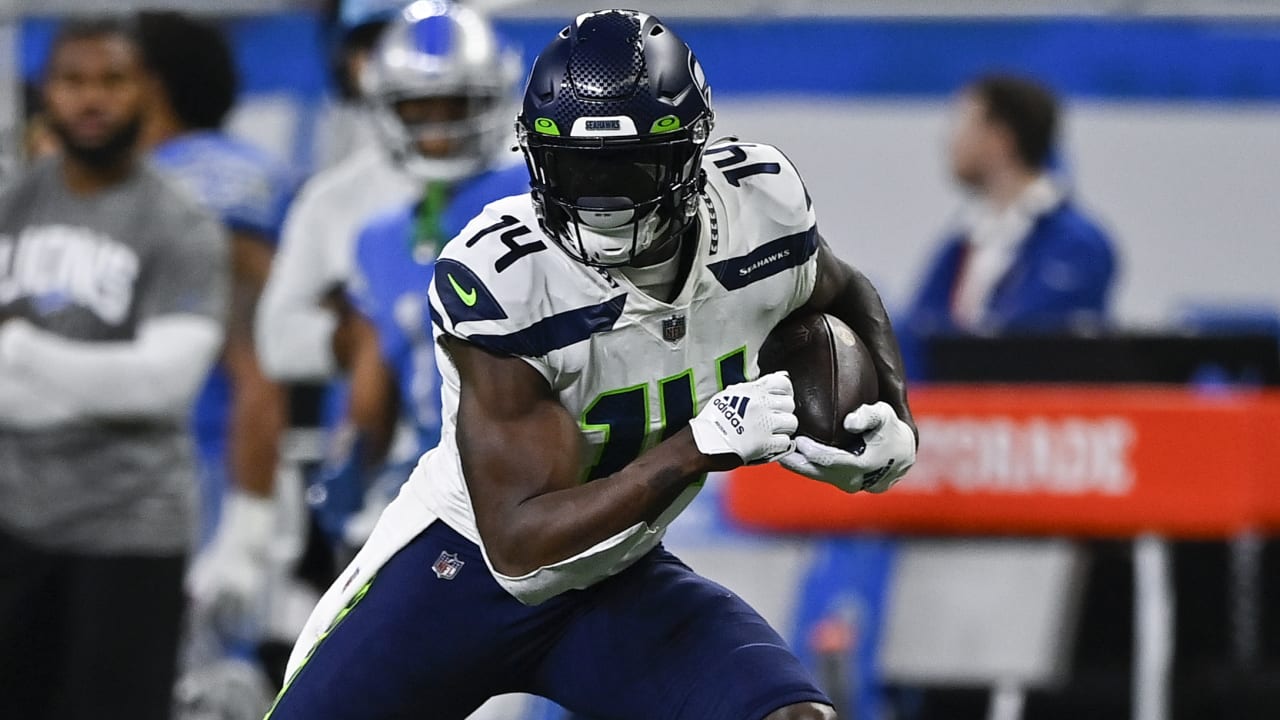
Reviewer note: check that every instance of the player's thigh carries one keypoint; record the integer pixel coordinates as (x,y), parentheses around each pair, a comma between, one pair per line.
(30,629)
(659,641)
(124,617)
(415,643)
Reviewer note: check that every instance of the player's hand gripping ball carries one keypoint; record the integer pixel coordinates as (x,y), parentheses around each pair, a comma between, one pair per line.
(845,438)
(751,420)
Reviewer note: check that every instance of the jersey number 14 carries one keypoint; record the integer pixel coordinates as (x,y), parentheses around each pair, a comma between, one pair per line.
(623,415)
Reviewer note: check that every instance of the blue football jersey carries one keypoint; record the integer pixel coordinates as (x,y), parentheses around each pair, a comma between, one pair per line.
(389,288)
(248,192)
(239,183)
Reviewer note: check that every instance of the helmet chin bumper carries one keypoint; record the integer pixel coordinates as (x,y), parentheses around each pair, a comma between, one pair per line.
(617,245)
(610,235)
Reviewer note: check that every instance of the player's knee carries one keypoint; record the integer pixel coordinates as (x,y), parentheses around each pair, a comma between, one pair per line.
(804,711)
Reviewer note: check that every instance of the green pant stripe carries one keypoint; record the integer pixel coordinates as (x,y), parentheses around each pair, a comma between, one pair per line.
(337,620)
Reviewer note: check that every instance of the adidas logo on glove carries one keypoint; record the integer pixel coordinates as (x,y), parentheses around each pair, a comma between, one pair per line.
(723,426)
(734,409)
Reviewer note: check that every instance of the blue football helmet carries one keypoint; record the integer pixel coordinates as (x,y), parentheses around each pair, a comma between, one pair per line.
(615,118)
(439,50)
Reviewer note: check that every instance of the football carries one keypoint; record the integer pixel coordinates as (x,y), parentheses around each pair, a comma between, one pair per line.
(831,371)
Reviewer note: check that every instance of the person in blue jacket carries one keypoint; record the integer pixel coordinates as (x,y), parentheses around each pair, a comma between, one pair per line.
(442,87)
(1024,258)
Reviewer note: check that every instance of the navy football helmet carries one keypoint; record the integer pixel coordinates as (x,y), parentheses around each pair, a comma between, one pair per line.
(615,118)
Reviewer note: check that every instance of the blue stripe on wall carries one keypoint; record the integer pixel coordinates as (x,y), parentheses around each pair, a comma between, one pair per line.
(1157,59)
(1120,59)
(274,53)
(287,52)
(1088,58)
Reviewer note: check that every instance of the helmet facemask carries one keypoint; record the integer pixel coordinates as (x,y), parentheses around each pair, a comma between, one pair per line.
(445,135)
(606,200)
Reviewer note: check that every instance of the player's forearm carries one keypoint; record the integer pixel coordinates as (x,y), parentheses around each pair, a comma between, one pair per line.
(257,404)
(375,424)
(257,422)
(556,526)
(155,375)
(373,404)
(23,407)
(859,305)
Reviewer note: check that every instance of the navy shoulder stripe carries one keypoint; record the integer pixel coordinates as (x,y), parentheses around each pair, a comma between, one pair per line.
(463,295)
(767,260)
(555,332)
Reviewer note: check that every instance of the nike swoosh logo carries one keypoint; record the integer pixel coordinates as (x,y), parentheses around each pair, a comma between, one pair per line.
(468,296)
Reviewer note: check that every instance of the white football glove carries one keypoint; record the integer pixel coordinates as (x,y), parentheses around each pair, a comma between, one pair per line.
(753,420)
(890,452)
(228,580)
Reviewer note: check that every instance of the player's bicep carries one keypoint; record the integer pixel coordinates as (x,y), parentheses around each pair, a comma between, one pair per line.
(831,278)
(843,291)
(515,439)
(251,257)
(250,264)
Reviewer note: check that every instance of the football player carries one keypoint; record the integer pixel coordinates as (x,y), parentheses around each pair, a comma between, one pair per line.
(298,314)
(443,89)
(598,340)
(240,413)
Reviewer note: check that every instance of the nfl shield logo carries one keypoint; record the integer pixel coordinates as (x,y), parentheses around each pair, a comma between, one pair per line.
(673,328)
(447,566)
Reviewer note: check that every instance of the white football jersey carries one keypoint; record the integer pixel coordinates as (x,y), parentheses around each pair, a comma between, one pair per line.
(631,368)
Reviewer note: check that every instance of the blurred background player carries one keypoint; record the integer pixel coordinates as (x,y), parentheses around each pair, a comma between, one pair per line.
(442,89)
(240,413)
(112,300)
(302,300)
(351,28)
(1025,258)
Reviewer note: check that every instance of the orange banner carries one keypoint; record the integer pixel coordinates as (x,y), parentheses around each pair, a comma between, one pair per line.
(1054,460)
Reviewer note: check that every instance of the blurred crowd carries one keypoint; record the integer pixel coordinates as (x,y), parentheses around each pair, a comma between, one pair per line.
(179,316)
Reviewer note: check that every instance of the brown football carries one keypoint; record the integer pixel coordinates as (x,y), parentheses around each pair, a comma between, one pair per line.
(831,371)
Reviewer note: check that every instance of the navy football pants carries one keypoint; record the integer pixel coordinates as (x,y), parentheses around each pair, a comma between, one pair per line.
(655,641)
